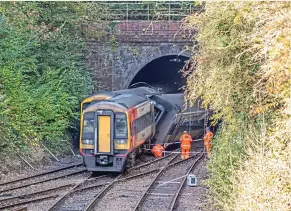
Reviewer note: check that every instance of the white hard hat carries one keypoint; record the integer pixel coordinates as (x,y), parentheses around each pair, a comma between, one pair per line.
(185,131)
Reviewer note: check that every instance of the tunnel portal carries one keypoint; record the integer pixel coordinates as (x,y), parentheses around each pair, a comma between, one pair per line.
(163,74)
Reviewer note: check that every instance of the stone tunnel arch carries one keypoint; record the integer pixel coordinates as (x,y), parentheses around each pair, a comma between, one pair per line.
(163,73)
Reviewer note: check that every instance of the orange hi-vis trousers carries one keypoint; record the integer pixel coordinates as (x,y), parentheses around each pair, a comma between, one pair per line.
(185,154)
(208,142)
(208,146)
(185,146)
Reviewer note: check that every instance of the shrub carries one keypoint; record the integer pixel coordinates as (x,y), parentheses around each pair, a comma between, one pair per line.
(242,72)
(43,75)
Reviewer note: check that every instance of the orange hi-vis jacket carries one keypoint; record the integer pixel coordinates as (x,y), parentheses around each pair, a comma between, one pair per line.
(186,141)
(157,150)
(207,138)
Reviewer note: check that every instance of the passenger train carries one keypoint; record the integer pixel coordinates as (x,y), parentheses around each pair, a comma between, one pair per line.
(114,126)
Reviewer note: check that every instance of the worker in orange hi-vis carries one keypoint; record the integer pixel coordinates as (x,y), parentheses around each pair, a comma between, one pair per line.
(157,150)
(185,145)
(208,141)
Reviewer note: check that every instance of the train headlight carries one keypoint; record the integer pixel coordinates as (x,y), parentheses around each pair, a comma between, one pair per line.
(121,141)
(87,141)
(120,144)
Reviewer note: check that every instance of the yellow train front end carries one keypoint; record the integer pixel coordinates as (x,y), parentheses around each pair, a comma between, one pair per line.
(113,129)
(105,140)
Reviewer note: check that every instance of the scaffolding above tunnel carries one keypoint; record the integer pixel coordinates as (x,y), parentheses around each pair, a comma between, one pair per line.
(142,21)
(149,10)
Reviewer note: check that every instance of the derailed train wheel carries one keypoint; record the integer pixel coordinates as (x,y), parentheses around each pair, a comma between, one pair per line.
(146,149)
(131,158)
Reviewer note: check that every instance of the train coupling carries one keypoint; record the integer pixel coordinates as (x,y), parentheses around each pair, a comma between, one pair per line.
(104,159)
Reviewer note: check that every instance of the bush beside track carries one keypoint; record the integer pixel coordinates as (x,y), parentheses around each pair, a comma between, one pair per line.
(43,75)
(242,72)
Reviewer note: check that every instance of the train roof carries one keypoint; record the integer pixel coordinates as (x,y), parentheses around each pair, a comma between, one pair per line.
(129,100)
(105,105)
(109,94)
(138,90)
(118,103)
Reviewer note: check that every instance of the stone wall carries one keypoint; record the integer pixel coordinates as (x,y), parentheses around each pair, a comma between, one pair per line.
(115,58)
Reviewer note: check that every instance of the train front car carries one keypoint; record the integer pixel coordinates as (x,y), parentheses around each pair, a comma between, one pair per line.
(114,129)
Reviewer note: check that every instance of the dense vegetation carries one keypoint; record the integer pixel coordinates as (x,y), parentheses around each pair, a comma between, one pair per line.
(43,74)
(243,73)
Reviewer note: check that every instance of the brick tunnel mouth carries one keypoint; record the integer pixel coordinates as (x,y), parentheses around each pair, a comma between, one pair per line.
(163,74)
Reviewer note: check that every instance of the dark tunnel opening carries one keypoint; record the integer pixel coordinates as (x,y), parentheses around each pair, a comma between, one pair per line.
(163,74)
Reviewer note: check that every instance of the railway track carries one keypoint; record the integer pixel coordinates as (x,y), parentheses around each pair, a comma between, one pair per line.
(42,177)
(158,195)
(178,192)
(63,195)
(85,194)
(101,193)
(94,193)
(78,196)
(31,197)
(122,182)
(38,187)
(41,174)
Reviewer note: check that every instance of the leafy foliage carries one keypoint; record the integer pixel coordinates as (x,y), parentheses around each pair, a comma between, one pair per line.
(242,72)
(43,74)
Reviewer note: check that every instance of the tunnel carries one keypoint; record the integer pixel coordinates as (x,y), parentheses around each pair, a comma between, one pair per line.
(163,74)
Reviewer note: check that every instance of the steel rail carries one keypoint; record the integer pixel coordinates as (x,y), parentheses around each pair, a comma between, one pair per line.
(46,180)
(117,179)
(41,174)
(91,186)
(149,163)
(142,199)
(153,170)
(146,164)
(74,189)
(34,193)
(66,194)
(102,192)
(30,200)
(145,193)
(20,209)
(175,199)
(139,175)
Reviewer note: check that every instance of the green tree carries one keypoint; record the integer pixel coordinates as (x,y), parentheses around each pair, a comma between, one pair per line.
(43,73)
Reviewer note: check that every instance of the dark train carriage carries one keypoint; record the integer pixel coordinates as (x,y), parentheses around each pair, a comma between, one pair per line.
(115,124)
(113,130)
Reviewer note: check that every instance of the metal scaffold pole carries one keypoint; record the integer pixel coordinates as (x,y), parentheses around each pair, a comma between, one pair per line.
(205,124)
(205,121)
(190,121)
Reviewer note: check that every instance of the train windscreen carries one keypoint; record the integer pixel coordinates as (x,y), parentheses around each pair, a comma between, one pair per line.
(120,125)
(88,128)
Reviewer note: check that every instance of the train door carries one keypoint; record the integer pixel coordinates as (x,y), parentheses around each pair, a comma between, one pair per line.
(104,134)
